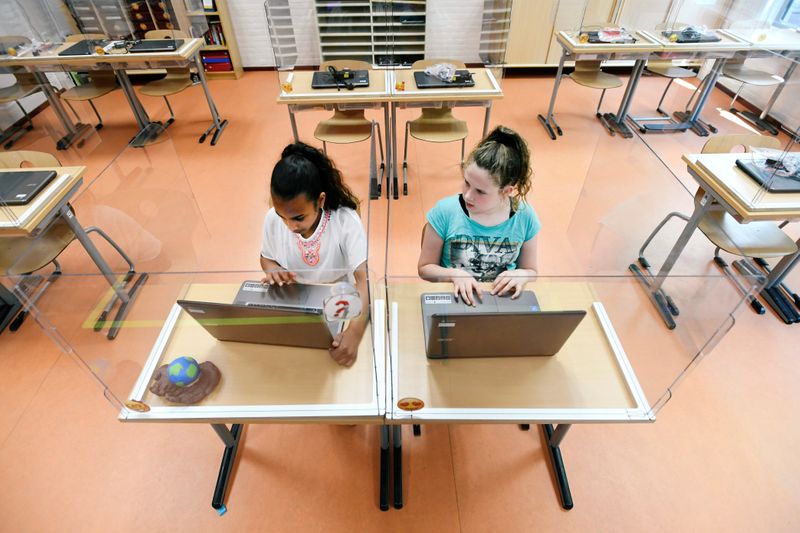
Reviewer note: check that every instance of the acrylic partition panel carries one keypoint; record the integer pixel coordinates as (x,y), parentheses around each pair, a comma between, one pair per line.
(204,347)
(593,223)
(569,349)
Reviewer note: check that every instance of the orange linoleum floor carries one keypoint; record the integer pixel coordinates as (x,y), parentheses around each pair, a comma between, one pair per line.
(721,456)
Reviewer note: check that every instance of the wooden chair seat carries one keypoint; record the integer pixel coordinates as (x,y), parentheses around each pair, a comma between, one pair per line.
(756,239)
(344,127)
(596,79)
(751,76)
(669,70)
(16,92)
(87,91)
(173,83)
(438,127)
(22,255)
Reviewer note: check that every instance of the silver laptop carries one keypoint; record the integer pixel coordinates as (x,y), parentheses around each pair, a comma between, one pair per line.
(496,327)
(290,315)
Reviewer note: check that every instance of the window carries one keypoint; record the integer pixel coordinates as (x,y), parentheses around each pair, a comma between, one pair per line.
(789,15)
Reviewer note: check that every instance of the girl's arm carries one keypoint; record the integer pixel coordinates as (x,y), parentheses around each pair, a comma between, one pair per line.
(429,268)
(344,348)
(515,280)
(275,273)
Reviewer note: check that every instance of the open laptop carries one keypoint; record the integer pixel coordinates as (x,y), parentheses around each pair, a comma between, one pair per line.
(462,78)
(155,45)
(497,327)
(20,187)
(774,178)
(83,48)
(324,80)
(290,315)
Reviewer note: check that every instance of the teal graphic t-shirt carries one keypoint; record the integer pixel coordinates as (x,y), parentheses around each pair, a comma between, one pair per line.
(483,251)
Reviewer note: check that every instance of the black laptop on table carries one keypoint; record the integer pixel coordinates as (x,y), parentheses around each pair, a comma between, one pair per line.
(325,80)
(83,48)
(462,78)
(497,326)
(290,315)
(20,187)
(155,45)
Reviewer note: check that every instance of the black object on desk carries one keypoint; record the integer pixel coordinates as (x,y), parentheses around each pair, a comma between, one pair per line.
(155,45)
(771,174)
(344,78)
(83,48)
(462,78)
(691,35)
(19,187)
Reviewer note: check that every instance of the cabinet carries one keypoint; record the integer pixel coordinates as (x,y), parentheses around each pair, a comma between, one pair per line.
(383,33)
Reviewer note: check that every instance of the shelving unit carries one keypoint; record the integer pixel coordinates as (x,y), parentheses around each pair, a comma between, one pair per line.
(494,31)
(383,33)
(220,55)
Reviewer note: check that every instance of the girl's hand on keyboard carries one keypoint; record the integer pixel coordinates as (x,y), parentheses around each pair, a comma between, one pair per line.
(279,277)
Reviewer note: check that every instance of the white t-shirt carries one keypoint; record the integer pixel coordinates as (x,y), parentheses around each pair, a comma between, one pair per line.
(342,246)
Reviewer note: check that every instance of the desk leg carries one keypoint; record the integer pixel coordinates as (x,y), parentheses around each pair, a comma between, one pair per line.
(397,465)
(618,121)
(293,123)
(231,439)
(218,124)
(549,123)
(784,266)
(75,133)
(486,118)
(554,437)
(384,469)
(653,284)
(395,187)
(760,121)
(148,130)
(693,118)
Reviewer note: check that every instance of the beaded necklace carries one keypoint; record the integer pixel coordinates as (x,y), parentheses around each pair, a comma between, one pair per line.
(309,250)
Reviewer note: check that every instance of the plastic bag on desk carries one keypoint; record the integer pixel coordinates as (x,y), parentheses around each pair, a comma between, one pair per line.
(443,71)
(781,163)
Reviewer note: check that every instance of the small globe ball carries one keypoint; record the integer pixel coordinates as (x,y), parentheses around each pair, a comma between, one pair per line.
(183,371)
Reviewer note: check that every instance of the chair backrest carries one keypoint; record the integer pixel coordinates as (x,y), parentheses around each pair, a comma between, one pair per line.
(83,36)
(587,65)
(18,158)
(721,144)
(425,63)
(13,40)
(166,34)
(352,64)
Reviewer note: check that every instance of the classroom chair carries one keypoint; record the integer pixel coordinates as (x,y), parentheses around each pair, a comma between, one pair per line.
(589,74)
(101,82)
(23,256)
(177,78)
(24,85)
(755,239)
(347,126)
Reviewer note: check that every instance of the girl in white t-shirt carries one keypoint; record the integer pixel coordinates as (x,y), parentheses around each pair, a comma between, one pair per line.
(313,234)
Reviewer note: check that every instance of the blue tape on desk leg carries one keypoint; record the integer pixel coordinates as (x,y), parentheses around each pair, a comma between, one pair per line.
(222,510)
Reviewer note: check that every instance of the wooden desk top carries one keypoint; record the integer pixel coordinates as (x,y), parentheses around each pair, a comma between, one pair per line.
(22,220)
(719,175)
(588,379)
(486,88)
(302,93)
(188,50)
(569,40)
(776,39)
(259,382)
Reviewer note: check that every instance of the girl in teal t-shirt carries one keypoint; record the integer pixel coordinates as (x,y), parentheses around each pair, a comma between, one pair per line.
(488,232)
